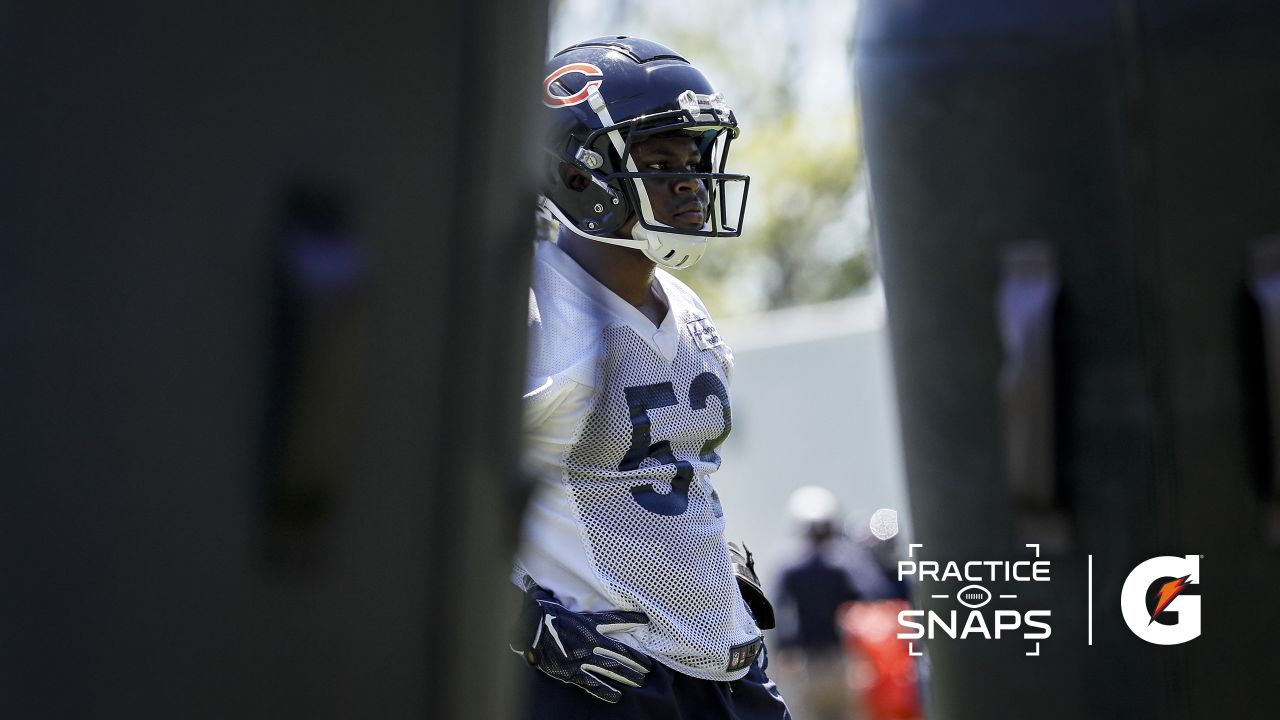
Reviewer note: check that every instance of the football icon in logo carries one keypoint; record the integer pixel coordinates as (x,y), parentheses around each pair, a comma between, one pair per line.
(973,596)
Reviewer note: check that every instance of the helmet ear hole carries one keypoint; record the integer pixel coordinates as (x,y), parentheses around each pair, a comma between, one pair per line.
(573,178)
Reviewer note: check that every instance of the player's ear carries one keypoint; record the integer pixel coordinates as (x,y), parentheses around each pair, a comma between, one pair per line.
(572,177)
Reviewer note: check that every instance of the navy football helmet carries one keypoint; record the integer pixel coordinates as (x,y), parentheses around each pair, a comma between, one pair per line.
(602,96)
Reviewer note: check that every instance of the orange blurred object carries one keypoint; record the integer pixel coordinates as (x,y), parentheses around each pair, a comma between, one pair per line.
(882,677)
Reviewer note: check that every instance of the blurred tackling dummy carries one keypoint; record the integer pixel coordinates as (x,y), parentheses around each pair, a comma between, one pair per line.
(828,572)
(313,408)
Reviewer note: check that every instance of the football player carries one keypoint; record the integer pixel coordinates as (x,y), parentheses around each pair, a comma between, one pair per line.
(636,606)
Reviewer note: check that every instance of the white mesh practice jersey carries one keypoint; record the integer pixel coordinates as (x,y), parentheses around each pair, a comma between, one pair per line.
(622,424)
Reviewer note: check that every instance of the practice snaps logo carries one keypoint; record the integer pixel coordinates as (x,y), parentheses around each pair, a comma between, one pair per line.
(1160,599)
(975,597)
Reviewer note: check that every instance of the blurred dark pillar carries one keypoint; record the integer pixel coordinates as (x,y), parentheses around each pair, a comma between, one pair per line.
(233,491)
(1137,142)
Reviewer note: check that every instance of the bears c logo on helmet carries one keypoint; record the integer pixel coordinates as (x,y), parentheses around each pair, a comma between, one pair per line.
(587,69)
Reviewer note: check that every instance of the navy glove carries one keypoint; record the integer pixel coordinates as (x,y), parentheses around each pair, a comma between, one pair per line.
(575,648)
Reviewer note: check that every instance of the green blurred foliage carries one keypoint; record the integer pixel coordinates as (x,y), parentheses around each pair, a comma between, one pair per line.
(802,181)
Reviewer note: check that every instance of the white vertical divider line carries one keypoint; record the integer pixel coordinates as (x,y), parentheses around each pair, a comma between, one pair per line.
(1091,601)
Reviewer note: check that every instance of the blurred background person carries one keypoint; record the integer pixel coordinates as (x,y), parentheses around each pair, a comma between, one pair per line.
(827,572)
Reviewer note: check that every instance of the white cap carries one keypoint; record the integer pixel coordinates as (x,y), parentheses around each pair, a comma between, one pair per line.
(813,504)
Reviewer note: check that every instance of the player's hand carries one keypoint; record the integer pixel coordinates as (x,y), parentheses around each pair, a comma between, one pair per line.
(575,648)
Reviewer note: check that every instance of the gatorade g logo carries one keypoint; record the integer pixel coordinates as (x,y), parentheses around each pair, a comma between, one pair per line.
(1160,600)
(556,100)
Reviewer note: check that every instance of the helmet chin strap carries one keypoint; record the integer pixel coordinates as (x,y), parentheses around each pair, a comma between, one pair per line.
(670,250)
